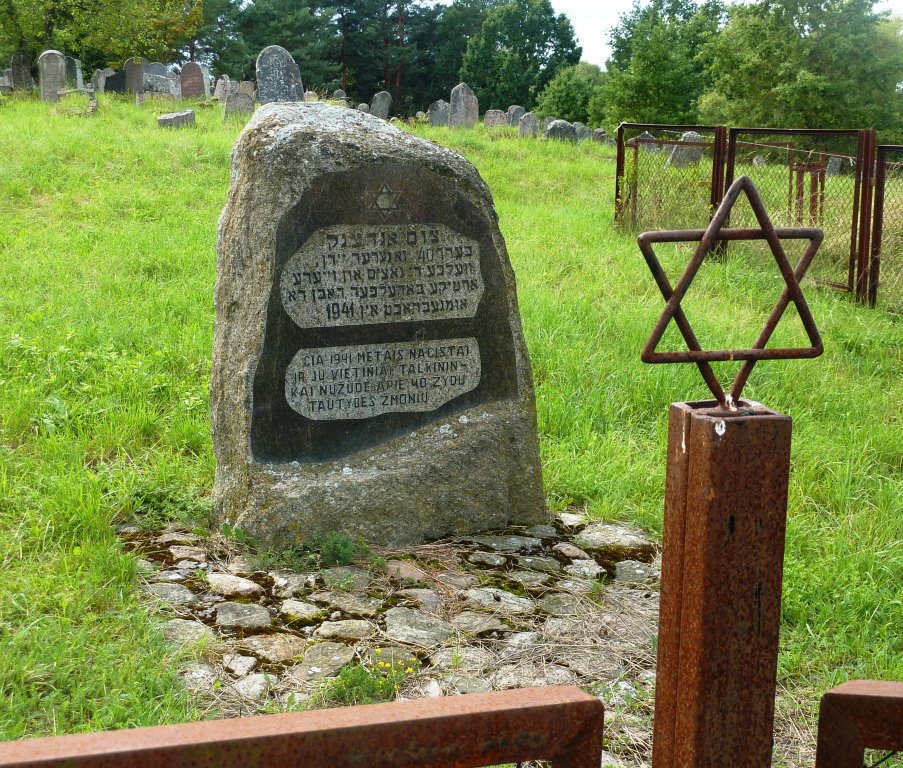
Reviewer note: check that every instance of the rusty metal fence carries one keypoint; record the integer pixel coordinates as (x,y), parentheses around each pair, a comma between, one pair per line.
(669,179)
(841,181)
(885,282)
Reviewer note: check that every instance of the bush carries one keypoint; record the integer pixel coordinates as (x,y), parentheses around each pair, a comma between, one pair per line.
(568,94)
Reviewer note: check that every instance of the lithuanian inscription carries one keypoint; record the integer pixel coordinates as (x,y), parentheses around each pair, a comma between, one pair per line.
(390,273)
(358,382)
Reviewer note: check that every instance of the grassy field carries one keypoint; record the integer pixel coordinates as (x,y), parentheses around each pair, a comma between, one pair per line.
(107,250)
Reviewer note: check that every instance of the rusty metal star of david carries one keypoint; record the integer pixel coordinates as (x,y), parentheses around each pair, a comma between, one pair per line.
(708,239)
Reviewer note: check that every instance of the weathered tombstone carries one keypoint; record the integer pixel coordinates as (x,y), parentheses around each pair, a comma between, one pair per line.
(367,308)
(311,96)
(21,72)
(560,130)
(98,81)
(833,167)
(234,87)
(52,72)
(547,121)
(363,108)
(278,76)
(74,78)
(420,115)
(156,68)
(239,103)
(381,105)
(515,113)
(583,133)
(6,82)
(463,109)
(759,161)
(222,88)
(115,83)
(194,83)
(645,141)
(177,119)
(339,95)
(599,135)
(134,74)
(247,88)
(687,155)
(438,113)
(495,118)
(528,126)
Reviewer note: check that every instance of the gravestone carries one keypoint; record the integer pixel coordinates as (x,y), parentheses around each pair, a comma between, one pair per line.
(156,68)
(514,114)
(310,96)
(528,126)
(381,105)
(98,81)
(686,155)
(234,87)
(52,73)
(278,76)
(547,121)
(367,309)
(134,74)
(247,88)
(561,130)
(193,81)
(644,140)
(74,78)
(759,161)
(583,133)
(833,167)
(115,83)
(463,109)
(239,103)
(599,136)
(339,95)
(222,88)
(177,119)
(495,118)
(21,72)
(363,108)
(438,113)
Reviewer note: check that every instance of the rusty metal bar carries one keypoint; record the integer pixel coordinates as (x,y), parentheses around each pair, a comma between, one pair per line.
(635,184)
(722,564)
(863,250)
(619,173)
(859,715)
(878,219)
(561,724)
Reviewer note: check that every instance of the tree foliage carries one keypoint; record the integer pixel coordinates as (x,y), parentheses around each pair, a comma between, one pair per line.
(568,94)
(520,47)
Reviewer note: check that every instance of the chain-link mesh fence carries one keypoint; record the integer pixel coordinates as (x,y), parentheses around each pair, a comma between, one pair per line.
(806,179)
(666,178)
(886,268)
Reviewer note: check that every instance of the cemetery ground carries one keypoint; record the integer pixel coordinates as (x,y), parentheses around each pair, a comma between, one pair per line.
(108,248)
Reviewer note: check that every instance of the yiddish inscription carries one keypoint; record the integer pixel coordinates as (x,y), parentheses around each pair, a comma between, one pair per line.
(357,382)
(391,273)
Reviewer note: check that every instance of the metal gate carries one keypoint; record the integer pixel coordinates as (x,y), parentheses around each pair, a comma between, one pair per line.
(885,274)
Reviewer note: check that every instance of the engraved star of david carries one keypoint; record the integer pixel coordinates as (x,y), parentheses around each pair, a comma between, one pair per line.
(708,238)
(385,200)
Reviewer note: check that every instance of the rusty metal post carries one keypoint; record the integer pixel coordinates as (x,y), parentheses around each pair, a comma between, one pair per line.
(862,249)
(619,174)
(722,566)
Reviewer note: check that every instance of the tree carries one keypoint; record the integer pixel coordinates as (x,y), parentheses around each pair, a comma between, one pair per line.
(656,73)
(802,64)
(457,23)
(217,41)
(520,47)
(568,94)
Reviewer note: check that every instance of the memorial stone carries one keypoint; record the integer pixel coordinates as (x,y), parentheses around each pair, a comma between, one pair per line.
(687,155)
(514,114)
(583,133)
(21,72)
(646,141)
(278,76)
(528,126)
(193,81)
(438,113)
(239,103)
(52,72)
(74,78)
(369,370)
(222,88)
(833,167)
(177,119)
(381,105)
(363,108)
(495,118)
(247,88)
(464,109)
(310,96)
(134,74)
(98,81)
(115,83)
(759,161)
(547,121)
(560,130)
(599,136)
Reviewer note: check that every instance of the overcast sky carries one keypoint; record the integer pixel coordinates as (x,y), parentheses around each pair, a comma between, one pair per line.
(592,19)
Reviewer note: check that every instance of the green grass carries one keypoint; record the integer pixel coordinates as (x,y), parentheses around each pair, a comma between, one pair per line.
(108,247)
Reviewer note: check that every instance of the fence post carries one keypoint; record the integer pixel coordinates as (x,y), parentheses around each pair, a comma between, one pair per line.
(619,173)
(867,141)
